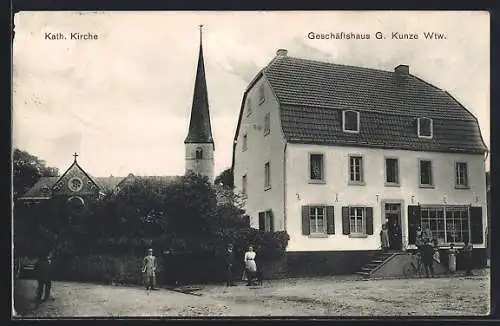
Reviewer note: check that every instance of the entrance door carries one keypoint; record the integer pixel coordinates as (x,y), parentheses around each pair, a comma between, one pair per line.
(392,213)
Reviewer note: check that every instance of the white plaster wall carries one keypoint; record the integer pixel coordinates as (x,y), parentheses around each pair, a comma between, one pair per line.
(205,166)
(261,149)
(337,192)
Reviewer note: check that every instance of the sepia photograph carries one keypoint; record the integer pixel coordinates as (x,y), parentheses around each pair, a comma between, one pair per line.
(178,164)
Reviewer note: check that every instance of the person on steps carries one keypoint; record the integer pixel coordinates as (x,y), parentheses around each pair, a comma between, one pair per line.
(384,237)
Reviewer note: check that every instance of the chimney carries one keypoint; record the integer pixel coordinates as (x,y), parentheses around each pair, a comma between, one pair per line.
(282,52)
(402,70)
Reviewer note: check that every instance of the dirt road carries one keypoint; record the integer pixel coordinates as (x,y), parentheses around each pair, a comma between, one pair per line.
(324,296)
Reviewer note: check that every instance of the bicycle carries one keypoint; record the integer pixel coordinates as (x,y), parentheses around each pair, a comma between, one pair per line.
(415,266)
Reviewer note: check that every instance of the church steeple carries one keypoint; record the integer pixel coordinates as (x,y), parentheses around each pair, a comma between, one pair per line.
(199,144)
(200,130)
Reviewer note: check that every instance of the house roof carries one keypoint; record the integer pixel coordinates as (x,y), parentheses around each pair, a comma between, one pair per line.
(41,189)
(312,95)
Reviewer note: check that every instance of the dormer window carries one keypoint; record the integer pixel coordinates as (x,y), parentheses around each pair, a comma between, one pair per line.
(424,127)
(249,107)
(350,121)
(262,96)
(199,153)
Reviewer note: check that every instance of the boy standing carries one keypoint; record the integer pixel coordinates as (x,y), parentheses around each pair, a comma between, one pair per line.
(149,270)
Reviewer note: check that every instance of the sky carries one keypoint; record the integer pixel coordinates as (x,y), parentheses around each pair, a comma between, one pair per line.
(123,101)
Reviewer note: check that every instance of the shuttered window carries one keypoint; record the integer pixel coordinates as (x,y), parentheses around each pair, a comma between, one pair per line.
(266,221)
(318,220)
(357,220)
(476,225)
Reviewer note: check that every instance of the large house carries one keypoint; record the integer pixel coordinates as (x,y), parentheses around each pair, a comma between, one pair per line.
(331,152)
(76,186)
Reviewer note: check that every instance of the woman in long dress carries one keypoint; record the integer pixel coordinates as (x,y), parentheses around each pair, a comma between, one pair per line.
(250,265)
(384,237)
(452,259)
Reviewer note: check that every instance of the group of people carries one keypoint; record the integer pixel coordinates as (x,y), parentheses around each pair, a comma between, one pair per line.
(428,248)
(390,236)
(149,267)
(250,266)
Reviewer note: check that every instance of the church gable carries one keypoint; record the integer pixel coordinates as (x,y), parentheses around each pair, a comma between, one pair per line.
(75,181)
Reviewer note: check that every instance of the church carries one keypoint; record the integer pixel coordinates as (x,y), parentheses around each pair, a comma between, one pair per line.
(76,186)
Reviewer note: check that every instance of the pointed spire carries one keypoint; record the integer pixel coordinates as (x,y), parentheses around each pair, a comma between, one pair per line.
(200,130)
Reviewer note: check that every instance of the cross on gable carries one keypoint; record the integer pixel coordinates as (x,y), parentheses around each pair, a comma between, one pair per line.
(75,156)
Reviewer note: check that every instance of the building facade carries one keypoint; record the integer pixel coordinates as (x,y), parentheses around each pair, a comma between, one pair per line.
(329,153)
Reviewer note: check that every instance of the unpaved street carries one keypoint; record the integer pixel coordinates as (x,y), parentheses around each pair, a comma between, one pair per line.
(323,296)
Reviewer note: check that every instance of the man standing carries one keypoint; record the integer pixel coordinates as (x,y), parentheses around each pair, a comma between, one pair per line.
(428,258)
(149,270)
(43,269)
(468,258)
(229,262)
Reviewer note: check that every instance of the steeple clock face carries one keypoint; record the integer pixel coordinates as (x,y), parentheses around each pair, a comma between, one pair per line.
(75,184)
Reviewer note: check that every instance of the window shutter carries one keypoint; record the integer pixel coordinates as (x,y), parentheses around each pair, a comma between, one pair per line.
(413,222)
(330,220)
(262,221)
(271,220)
(306,230)
(369,220)
(345,221)
(476,224)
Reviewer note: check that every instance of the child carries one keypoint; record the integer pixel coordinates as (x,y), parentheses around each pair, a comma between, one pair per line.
(452,259)
(149,270)
(436,251)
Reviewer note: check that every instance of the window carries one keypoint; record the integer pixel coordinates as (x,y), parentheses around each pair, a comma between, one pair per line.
(199,154)
(262,96)
(249,107)
(267,176)
(245,140)
(317,219)
(425,173)
(244,184)
(391,171)
(267,123)
(357,220)
(461,175)
(316,168)
(350,121)
(355,169)
(448,224)
(424,127)
(266,221)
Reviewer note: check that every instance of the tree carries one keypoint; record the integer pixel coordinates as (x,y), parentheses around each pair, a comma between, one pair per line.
(225,178)
(27,169)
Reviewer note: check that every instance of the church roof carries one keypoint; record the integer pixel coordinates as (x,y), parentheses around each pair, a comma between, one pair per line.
(200,130)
